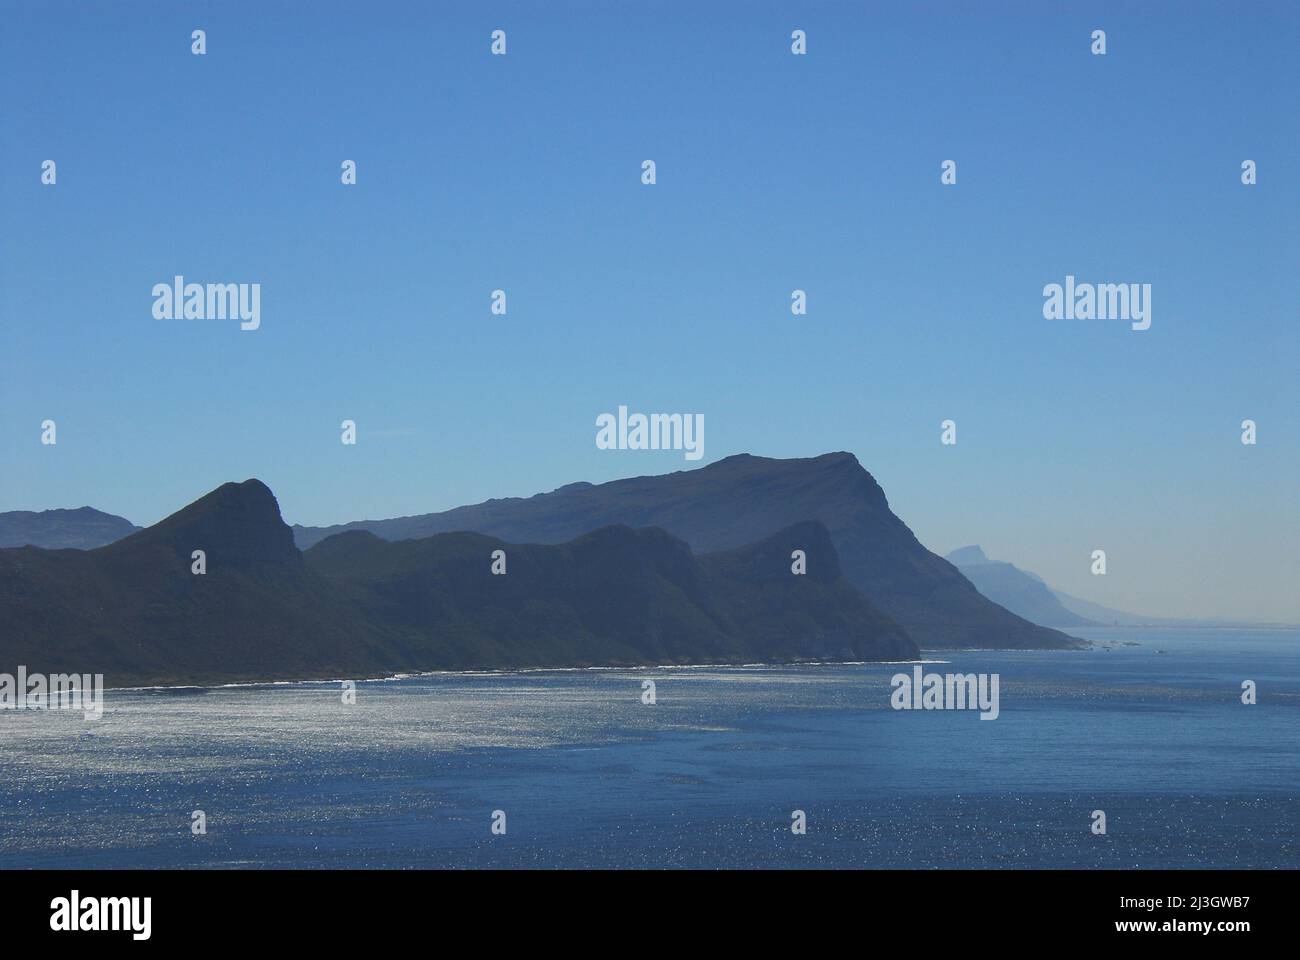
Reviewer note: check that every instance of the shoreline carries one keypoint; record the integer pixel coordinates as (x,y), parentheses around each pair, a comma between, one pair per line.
(1086,645)
(509,672)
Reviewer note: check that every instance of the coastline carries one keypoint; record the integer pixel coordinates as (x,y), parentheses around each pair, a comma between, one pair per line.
(508,672)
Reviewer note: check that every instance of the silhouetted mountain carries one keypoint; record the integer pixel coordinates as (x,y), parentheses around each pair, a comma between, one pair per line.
(1019,591)
(80,529)
(239,522)
(740,500)
(613,596)
(359,606)
(134,611)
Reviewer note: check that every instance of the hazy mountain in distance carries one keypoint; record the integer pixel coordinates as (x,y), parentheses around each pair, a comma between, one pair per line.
(743,499)
(357,606)
(1019,591)
(1106,616)
(966,556)
(81,529)
(1027,594)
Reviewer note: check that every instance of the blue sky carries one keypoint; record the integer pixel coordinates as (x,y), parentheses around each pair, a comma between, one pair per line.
(775,172)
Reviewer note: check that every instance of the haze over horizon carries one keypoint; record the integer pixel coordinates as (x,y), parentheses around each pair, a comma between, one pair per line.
(522,173)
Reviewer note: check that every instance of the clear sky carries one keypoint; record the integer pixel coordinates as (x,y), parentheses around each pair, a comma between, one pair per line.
(775,172)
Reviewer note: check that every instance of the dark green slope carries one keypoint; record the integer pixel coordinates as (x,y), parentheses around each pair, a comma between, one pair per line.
(743,499)
(360,606)
(614,596)
(134,611)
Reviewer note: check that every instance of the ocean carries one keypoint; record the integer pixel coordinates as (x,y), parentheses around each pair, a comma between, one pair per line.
(1148,726)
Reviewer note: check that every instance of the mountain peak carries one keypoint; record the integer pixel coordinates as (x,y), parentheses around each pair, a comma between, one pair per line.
(237,522)
(968,555)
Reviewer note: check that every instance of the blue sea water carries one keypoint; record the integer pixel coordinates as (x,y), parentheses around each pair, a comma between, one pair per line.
(1148,726)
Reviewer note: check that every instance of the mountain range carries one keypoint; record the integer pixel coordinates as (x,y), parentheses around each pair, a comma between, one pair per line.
(689,567)
(963,600)
(1021,592)
(80,529)
(742,499)
(355,605)
(1028,595)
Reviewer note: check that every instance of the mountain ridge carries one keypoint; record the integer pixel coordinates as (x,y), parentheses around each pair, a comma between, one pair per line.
(355,605)
(1019,591)
(743,498)
(80,528)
